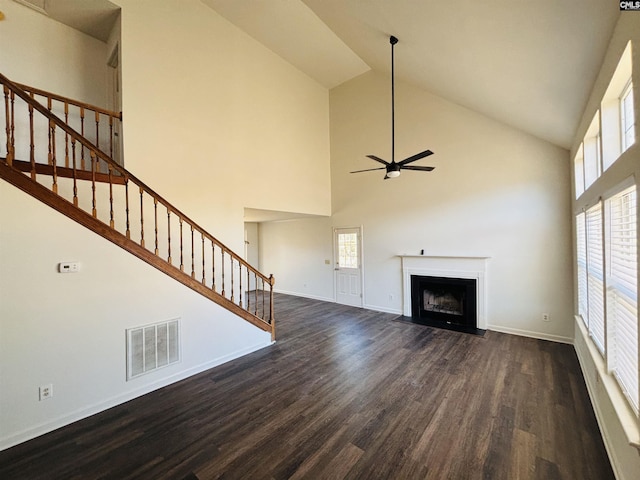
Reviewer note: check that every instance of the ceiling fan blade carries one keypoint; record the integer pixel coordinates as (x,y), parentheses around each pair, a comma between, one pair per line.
(421,169)
(378,159)
(415,157)
(369,170)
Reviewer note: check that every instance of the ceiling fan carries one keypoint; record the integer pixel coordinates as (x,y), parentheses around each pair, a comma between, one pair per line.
(393,168)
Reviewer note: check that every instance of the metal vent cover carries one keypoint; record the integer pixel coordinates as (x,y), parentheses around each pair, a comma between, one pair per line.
(151,347)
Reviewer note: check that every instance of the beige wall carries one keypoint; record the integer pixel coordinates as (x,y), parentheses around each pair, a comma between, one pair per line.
(495,192)
(231,124)
(214,122)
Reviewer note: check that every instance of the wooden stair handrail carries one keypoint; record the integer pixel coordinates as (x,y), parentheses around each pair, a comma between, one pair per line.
(70,101)
(14,175)
(125,173)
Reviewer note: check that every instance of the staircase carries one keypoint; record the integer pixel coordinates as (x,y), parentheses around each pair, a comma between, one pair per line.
(66,154)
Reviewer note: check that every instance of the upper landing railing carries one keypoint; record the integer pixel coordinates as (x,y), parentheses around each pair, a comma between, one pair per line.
(51,160)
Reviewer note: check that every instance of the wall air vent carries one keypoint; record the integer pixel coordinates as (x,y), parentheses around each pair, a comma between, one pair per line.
(152,347)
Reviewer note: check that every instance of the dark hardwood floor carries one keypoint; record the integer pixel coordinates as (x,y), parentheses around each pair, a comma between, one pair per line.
(345,393)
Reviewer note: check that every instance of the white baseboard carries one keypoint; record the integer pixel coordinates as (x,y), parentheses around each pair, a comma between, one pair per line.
(527,333)
(63,420)
(383,309)
(305,295)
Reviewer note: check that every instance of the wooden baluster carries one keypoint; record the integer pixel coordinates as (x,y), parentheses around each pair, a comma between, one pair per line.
(8,108)
(213,265)
(181,248)
(231,258)
(111,220)
(264,314)
(32,145)
(75,176)
(255,294)
(111,137)
(66,135)
(169,234)
(53,161)
(141,217)
(222,270)
(240,277)
(204,282)
(83,167)
(248,291)
(193,264)
(94,210)
(97,131)
(155,219)
(126,207)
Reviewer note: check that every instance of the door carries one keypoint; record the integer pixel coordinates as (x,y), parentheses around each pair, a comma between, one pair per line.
(348,266)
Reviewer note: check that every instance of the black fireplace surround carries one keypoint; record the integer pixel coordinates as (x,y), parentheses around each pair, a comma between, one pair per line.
(450,301)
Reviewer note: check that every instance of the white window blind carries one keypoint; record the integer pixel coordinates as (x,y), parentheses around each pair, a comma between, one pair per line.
(622,291)
(581,239)
(595,276)
(627,117)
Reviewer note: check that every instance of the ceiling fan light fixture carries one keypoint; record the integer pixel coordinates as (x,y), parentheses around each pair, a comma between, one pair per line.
(393,173)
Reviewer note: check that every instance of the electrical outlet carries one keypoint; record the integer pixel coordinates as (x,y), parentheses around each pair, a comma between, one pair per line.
(546,317)
(69,267)
(46,391)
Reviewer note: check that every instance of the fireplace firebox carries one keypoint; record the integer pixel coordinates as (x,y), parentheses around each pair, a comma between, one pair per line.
(444,300)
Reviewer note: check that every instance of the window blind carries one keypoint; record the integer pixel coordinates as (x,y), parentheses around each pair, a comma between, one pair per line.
(595,276)
(581,250)
(622,291)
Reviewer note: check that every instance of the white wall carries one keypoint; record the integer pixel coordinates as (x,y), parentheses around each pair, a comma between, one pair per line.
(69,329)
(214,122)
(296,252)
(232,124)
(611,408)
(495,192)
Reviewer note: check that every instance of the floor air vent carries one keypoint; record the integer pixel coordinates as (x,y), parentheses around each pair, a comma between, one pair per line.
(152,347)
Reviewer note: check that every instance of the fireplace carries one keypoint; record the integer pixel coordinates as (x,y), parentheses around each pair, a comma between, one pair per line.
(448,267)
(444,299)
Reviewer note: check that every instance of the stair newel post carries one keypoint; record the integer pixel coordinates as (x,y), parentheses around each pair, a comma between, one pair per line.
(66,135)
(126,205)
(204,280)
(193,262)
(111,220)
(272,282)
(181,248)
(94,210)
(141,217)
(75,173)
(155,222)
(52,154)
(8,108)
(83,167)
(32,145)
(169,235)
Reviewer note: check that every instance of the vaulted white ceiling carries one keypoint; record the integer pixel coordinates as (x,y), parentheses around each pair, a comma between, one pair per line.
(528,64)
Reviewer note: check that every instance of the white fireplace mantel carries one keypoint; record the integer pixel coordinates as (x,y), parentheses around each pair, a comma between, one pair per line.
(448,267)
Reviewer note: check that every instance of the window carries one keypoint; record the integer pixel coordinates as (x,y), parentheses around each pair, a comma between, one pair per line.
(627,120)
(622,291)
(592,152)
(581,238)
(348,250)
(595,276)
(578,165)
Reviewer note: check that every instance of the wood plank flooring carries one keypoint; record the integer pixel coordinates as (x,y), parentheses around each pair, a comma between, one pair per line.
(345,393)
